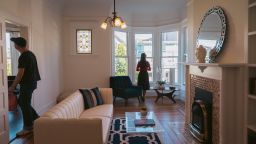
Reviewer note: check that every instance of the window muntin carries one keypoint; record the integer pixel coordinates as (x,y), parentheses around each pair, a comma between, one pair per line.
(84,41)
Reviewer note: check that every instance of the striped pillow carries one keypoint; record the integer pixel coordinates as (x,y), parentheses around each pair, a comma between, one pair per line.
(91,97)
(98,96)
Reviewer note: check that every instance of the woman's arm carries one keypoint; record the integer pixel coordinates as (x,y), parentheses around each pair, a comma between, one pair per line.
(148,66)
(138,67)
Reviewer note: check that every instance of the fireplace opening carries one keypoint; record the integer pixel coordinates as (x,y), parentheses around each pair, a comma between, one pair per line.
(201,124)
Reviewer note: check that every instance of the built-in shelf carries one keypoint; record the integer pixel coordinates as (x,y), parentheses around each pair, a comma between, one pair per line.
(252,96)
(252,127)
(252,5)
(252,33)
(251,65)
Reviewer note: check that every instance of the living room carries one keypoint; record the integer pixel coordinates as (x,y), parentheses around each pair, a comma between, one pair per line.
(51,31)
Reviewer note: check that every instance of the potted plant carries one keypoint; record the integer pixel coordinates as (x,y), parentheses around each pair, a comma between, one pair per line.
(161,84)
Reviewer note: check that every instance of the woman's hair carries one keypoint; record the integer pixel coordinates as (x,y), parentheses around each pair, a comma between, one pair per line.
(143,57)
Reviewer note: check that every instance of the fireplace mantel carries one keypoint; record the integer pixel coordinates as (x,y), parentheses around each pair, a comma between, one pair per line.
(231,93)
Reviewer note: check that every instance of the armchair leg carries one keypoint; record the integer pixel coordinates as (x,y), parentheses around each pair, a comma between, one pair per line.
(126,102)
(139,98)
(114,100)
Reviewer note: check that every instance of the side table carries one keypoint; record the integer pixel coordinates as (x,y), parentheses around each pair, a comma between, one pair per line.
(161,94)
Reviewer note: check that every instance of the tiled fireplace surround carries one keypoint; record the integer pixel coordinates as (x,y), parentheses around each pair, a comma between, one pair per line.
(225,83)
(213,86)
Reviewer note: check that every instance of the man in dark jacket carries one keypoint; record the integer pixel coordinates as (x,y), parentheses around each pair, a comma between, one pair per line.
(27,77)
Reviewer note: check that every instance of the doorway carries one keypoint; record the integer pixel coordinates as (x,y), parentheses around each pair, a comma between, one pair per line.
(12,56)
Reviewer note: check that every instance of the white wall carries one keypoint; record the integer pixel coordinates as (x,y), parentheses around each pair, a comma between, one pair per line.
(86,70)
(236,12)
(44,19)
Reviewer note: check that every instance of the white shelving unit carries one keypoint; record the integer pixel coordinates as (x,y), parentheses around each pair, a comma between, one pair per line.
(251,77)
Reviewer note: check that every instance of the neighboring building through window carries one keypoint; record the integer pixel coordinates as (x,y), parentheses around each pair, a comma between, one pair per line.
(121,56)
(144,44)
(84,41)
(169,56)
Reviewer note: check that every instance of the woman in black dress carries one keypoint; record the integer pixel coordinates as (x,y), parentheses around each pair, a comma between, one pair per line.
(143,80)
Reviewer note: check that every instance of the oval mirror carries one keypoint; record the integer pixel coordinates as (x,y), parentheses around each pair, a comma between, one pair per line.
(212,32)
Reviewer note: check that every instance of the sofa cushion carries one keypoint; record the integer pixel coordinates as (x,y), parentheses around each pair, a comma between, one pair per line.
(105,110)
(71,107)
(89,98)
(98,96)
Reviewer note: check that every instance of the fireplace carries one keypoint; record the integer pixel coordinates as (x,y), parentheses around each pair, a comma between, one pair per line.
(201,123)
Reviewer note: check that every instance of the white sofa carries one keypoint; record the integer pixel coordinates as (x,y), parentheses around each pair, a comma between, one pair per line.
(69,123)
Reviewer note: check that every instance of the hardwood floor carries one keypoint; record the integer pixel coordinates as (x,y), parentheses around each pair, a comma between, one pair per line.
(170,115)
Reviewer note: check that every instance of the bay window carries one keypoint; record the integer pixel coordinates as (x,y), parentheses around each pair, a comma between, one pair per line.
(162,50)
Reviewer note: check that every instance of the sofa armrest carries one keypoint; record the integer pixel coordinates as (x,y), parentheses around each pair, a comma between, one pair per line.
(68,131)
(107,95)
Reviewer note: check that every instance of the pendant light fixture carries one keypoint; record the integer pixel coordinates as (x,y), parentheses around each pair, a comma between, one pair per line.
(114,21)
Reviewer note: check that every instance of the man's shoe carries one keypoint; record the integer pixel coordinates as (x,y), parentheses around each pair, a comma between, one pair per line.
(23,133)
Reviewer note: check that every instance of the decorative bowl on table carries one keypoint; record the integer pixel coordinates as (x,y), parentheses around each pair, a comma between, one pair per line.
(143,111)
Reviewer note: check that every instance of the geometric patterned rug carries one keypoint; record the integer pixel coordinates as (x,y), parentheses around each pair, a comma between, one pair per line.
(118,135)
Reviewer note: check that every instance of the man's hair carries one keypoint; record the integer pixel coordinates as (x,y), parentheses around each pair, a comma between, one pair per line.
(20,41)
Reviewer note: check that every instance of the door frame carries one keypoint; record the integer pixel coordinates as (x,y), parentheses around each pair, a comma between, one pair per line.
(7,18)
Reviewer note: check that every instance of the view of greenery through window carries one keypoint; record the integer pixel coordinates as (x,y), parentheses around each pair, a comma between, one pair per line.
(121,61)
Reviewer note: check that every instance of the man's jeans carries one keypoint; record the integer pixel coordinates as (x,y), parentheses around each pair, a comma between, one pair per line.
(28,112)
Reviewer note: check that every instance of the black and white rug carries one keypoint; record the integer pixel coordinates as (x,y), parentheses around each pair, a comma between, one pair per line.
(118,135)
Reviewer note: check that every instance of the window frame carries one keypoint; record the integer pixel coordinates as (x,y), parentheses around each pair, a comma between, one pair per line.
(113,52)
(176,57)
(79,53)
(156,45)
(134,54)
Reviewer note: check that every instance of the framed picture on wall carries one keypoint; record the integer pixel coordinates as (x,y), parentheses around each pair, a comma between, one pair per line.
(84,41)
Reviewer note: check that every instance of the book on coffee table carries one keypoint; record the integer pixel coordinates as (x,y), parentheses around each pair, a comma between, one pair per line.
(144,122)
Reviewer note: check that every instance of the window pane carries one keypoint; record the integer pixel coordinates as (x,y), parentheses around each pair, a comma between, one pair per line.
(8,54)
(120,43)
(143,44)
(169,55)
(84,41)
(166,75)
(150,73)
(169,44)
(169,62)
(121,66)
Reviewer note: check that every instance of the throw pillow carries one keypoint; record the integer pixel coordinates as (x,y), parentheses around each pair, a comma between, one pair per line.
(89,98)
(98,96)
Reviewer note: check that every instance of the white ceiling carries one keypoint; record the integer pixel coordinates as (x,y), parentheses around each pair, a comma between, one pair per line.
(134,12)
